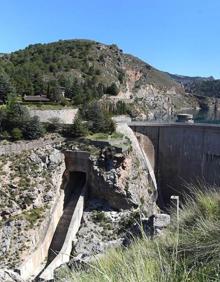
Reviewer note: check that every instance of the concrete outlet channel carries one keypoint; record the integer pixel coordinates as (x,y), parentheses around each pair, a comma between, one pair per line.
(74,188)
(73,206)
(68,225)
(62,223)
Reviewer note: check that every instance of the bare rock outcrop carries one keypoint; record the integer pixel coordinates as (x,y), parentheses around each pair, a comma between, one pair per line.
(129,181)
(150,93)
(7,275)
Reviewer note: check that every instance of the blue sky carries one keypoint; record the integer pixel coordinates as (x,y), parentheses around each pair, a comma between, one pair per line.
(179,36)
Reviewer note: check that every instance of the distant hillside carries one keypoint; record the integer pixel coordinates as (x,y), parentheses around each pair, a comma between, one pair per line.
(87,70)
(190,79)
(82,62)
(201,86)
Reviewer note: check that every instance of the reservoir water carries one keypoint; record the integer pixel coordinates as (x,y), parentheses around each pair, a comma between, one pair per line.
(206,116)
(199,116)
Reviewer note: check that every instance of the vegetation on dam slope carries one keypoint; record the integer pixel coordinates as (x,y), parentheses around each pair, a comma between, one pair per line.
(188,253)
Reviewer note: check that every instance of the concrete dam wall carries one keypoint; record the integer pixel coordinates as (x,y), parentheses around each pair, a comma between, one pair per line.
(181,153)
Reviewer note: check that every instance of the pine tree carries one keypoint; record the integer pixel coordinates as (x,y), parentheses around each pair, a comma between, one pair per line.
(6,86)
(79,128)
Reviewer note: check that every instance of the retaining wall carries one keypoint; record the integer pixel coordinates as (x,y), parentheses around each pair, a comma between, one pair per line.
(77,160)
(33,264)
(64,254)
(66,116)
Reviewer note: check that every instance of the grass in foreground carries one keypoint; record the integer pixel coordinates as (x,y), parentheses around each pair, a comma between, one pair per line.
(192,254)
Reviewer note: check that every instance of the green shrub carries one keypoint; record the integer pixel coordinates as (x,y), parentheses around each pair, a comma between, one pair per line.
(53,124)
(33,215)
(33,129)
(5,135)
(121,76)
(99,119)
(79,128)
(112,90)
(16,134)
(99,216)
(16,117)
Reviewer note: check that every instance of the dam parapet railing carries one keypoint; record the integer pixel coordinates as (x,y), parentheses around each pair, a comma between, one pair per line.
(172,124)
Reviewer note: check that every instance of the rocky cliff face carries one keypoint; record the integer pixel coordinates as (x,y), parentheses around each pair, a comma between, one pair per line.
(152,94)
(29,183)
(119,194)
(125,186)
(30,186)
(205,89)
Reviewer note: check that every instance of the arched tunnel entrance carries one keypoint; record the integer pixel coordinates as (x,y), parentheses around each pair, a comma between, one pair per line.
(72,191)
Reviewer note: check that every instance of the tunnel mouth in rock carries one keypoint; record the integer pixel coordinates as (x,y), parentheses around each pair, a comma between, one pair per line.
(76,178)
(72,191)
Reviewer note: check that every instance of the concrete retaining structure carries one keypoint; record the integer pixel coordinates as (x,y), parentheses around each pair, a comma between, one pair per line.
(64,254)
(77,160)
(66,116)
(33,264)
(184,153)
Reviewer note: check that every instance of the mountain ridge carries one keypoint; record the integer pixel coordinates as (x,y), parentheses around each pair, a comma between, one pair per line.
(89,70)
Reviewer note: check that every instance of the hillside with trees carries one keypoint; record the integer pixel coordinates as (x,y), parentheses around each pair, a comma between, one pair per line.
(85,69)
(201,86)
